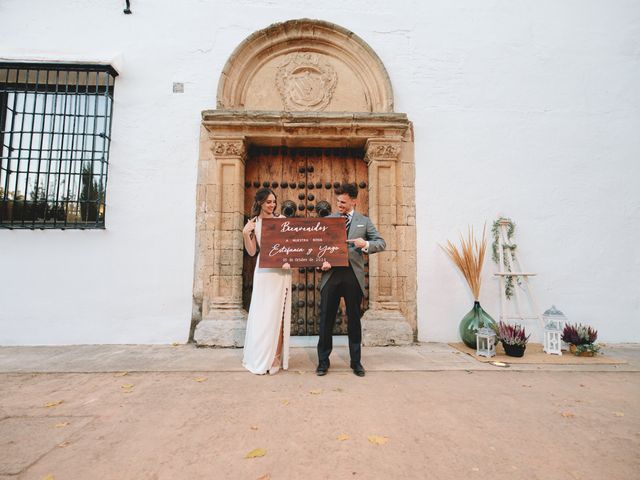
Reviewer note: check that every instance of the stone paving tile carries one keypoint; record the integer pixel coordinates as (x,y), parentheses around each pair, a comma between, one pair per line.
(149,358)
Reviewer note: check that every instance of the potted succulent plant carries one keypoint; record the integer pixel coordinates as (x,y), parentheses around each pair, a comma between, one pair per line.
(513,337)
(581,339)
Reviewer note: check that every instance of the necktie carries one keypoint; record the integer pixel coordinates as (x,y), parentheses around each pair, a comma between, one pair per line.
(347,222)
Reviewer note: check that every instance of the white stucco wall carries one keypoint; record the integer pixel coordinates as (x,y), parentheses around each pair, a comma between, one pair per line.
(529,109)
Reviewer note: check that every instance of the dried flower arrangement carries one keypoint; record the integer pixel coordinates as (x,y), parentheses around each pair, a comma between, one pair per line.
(513,337)
(582,338)
(469,259)
(512,334)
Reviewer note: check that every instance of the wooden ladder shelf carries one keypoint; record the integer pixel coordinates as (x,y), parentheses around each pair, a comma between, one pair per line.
(511,266)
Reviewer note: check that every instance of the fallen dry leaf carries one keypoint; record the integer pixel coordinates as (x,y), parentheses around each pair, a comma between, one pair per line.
(256,452)
(121,374)
(337,389)
(526,386)
(175,344)
(62,424)
(64,444)
(500,364)
(253,427)
(378,440)
(285,402)
(49,477)
(126,388)
(342,437)
(317,391)
(266,476)
(201,379)
(300,372)
(618,414)
(568,414)
(53,404)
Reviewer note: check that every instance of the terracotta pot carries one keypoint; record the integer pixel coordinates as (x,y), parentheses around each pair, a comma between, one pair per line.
(586,353)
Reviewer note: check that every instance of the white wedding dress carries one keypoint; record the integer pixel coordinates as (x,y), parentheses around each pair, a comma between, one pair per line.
(269,312)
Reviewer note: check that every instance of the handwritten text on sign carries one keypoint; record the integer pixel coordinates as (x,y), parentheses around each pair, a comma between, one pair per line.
(303,242)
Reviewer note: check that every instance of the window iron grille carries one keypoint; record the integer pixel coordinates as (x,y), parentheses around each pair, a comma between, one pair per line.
(55,133)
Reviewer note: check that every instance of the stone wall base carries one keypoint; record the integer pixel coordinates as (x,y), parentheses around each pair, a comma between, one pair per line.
(382,327)
(223,328)
(226,328)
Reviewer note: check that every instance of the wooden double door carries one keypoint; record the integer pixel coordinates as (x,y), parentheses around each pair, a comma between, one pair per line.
(303,180)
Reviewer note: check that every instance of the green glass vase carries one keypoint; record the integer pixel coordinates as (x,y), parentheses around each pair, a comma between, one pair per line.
(472,321)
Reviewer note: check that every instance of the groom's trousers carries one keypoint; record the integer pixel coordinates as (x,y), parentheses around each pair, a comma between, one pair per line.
(342,283)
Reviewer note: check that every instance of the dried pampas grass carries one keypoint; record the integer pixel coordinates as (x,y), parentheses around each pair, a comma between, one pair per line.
(469,258)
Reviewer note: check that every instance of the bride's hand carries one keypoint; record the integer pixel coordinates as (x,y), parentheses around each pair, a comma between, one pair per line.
(250,227)
(325,266)
(286,266)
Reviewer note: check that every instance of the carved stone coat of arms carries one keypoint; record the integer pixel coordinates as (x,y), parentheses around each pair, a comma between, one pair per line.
(305,81)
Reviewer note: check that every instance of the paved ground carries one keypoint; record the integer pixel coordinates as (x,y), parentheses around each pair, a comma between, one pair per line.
(423,412)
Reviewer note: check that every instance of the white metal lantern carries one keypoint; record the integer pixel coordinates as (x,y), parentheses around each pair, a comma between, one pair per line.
(553,341)
(554,318)
(554,322)
(486,342)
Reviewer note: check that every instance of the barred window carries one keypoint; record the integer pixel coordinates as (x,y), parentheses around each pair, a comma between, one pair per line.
(55,132)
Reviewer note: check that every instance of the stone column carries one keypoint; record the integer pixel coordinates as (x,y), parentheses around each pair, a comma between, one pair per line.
(221,201)
(384,322)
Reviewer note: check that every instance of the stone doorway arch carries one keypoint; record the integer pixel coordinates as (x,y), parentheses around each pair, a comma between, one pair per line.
(304,83)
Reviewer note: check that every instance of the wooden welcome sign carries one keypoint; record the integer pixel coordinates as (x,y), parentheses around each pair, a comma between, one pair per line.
(303,242)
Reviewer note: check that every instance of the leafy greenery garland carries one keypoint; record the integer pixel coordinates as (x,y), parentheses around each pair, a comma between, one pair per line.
(495,230)
(587,347)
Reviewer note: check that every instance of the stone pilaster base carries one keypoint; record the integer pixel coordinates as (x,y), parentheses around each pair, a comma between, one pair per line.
(222,328)
(226,328)
(385,327)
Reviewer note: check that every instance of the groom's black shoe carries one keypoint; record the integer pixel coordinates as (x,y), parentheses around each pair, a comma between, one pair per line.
(357,368)
(322,369)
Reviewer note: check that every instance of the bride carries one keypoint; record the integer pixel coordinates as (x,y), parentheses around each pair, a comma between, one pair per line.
(266,343)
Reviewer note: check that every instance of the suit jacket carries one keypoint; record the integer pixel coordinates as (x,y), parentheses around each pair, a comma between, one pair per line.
(361,227)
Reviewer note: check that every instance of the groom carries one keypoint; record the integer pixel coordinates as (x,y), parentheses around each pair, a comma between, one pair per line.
(347,282)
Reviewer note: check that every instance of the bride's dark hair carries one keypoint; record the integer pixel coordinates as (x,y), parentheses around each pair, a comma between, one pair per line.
(260,198)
